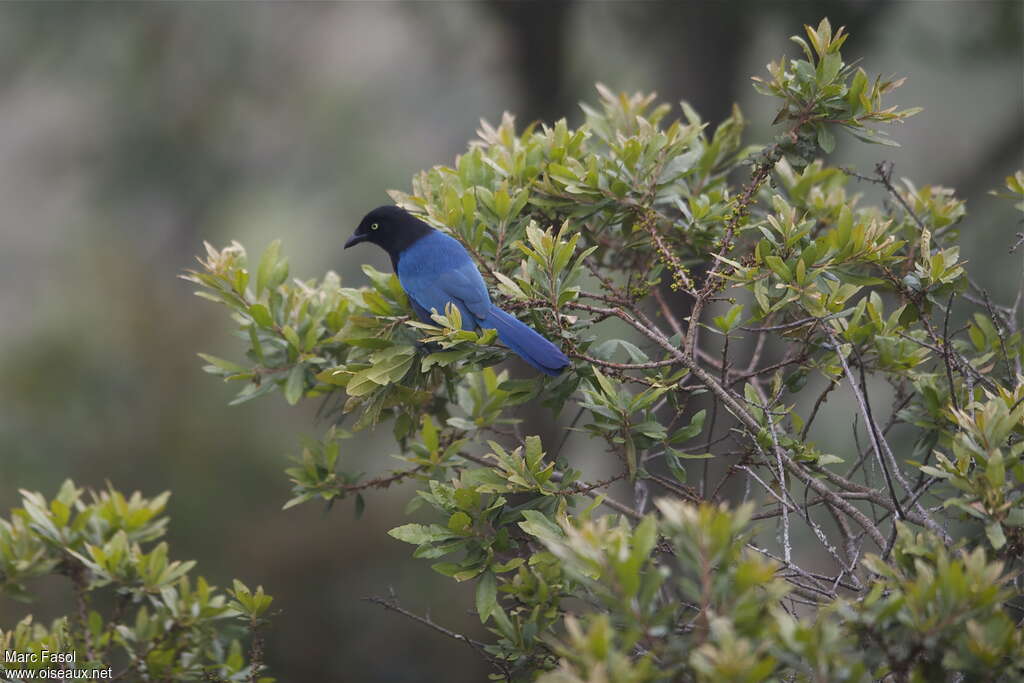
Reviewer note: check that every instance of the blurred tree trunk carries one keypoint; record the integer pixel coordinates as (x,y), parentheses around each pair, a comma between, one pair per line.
(535,43)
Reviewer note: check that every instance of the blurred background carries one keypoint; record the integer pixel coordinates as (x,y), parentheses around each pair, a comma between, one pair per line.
(131,132)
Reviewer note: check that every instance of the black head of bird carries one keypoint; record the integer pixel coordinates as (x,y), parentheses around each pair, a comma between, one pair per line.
(391,228)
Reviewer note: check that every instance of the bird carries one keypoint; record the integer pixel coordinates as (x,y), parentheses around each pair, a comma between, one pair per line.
(435,269)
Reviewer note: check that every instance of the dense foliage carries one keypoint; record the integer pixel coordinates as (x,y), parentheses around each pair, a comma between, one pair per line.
(713,297)
(138,615)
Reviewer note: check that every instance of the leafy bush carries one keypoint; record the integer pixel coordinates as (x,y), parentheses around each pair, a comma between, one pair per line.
(746,286)
(138,615)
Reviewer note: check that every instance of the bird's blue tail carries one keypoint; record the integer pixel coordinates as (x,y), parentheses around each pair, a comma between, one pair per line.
(521,338)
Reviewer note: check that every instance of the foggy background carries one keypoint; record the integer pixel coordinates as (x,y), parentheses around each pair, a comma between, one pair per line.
(130,133)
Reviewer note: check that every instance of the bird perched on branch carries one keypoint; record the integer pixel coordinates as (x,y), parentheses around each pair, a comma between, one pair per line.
(435,269)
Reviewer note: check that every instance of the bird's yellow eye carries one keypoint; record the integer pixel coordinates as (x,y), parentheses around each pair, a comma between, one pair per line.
(374,226)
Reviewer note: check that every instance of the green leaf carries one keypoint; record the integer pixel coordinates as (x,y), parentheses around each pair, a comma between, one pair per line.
(860,79)
(391,364)
(645,537)
(268,262)
(261,316)
(1015,517)
(826,140)
(486,596)
(691,430)
(690,456)
(417,534)
(779,267)
(605,384)
(361,384)
(459,521)
(726,323)
(829,67)
(538,525)
(675,466)
(221,366)
(295,384)
(995,470)
(994,531)
(292,336)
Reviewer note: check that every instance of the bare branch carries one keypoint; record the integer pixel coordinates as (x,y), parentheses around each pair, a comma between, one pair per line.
(392,605)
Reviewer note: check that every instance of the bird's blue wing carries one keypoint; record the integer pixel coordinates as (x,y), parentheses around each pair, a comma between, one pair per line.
(436,270)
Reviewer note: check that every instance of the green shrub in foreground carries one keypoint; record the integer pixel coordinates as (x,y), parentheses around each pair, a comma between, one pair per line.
(713,295)
(136,613)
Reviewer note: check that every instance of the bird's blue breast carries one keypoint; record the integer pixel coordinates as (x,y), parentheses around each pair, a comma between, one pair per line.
(436,270)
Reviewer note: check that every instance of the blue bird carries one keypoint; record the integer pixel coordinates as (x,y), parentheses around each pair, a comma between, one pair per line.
(435,270)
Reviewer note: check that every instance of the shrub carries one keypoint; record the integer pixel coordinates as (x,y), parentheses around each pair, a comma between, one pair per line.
(138,615)
(747,286)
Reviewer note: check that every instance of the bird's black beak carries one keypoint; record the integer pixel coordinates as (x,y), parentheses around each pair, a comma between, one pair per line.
(354,239)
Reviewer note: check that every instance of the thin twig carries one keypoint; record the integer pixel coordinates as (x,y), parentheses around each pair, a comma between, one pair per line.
(873,432)
(945,353)
(478,647)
